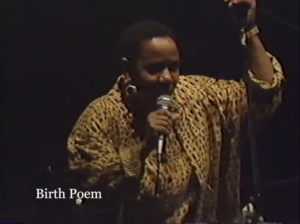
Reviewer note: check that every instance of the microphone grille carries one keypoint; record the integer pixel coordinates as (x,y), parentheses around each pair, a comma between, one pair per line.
(164,101)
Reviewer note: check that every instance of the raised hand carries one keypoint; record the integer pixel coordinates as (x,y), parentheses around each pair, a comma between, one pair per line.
(251,16)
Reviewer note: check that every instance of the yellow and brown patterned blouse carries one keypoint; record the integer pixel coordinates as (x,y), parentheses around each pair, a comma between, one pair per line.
(201,179)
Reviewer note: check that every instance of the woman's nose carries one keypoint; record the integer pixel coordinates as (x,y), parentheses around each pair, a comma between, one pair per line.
(166,76)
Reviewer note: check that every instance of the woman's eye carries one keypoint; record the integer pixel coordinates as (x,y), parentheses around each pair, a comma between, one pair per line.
(156,68)
(174,66)
(160,67)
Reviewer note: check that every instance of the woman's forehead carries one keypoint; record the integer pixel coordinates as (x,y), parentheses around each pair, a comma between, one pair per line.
(159,49)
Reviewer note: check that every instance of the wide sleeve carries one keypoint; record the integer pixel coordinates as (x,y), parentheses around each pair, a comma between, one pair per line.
(232,100)
(94,159)
(229,98)
(265,96)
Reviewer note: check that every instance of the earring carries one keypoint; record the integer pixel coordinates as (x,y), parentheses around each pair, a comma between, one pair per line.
(130,89)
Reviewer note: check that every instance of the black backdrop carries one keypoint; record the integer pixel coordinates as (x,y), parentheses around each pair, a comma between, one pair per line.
(58,57)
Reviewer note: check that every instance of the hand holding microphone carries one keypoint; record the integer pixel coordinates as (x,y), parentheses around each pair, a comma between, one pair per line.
(160,122)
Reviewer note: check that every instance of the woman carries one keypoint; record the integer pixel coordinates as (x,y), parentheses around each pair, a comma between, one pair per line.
(114,143)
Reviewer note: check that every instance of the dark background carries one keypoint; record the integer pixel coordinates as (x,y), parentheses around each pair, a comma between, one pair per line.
(58,57)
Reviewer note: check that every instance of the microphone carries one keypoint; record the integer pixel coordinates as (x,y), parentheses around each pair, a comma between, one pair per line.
(241,11)
(164,102)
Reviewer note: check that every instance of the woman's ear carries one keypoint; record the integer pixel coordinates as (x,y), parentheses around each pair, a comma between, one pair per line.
(124,60)
(125,67)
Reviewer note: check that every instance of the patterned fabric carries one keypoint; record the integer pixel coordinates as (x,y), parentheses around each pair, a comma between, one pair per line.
(201,178)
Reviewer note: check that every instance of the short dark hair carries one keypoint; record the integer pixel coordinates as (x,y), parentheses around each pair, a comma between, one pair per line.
(140,31)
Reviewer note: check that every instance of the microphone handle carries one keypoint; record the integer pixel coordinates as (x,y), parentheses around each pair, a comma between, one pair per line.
(161,140)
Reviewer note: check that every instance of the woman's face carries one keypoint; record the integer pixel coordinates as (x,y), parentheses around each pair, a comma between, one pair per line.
(157,68)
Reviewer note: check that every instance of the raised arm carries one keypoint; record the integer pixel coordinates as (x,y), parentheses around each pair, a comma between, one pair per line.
(232,96)
(266,95)
(228,101)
